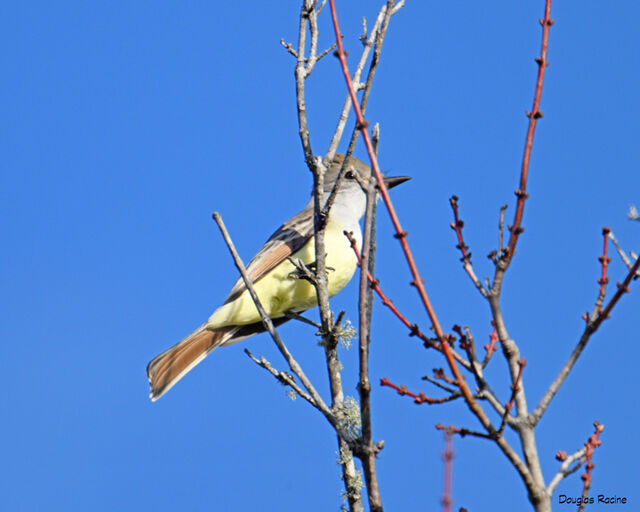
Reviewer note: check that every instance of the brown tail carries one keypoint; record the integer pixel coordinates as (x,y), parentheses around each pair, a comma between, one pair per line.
(166,369)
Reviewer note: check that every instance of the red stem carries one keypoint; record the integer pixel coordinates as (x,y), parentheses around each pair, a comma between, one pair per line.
(402,390)
(401,235)
(375,284)
(447,456)
(534,115)
(514,389)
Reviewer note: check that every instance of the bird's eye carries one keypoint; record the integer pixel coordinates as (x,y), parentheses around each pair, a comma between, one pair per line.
(349,175)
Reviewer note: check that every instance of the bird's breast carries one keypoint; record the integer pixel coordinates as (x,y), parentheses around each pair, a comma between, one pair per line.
(282,289)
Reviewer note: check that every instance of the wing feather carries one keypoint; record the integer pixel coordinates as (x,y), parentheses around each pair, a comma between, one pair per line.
(287,240)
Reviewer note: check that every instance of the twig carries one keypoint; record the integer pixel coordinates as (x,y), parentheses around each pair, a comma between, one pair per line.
(282,377)
(621,252)
(414,329)
(589,329)
(447,457)
(516,229)
(417,280)
(365,304)
(268,324)
(593,443)
(376,36)
(288,47)
(297,316)
(622,289)
(462,432)
(603,280)
(439,384)
(491,347)
(567,467)
(326,52)
(515,387)
(503,209)
(418,398)
(457,226)
(301,75)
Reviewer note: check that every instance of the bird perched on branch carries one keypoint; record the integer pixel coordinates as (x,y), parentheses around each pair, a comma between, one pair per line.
(277,280)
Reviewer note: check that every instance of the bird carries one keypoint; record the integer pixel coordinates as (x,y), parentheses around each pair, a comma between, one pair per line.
(278,282)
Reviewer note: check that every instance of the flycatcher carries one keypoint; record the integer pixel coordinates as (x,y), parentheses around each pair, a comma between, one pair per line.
(276,280)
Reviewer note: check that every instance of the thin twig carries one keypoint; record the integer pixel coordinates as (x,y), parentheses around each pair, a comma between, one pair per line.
(593,443)
(301,75)
(503,209)
(282,377)
(418,398)
(365,303)
(515,387)
(621,252)
(288,47)
(297,316)
(268,324)
(567,467)
(447,457)
(589,329)
(457,226)
(516,229)
(346,108)
(603,280)
(462,432)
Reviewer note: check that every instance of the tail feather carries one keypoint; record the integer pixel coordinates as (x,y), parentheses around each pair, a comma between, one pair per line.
(166,369)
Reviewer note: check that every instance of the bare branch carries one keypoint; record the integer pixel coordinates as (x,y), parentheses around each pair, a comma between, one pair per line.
(515,387)
(297,316)
(447,456)
(457,226)
(462,432)
(568,467)
(503,209)
(593,443)
(268,324)
(288,47)
(516,229)
(621,252)
(603,280)
(282,377)
(590,328)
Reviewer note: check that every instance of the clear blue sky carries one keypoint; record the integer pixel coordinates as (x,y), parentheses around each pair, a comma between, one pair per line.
(125,124)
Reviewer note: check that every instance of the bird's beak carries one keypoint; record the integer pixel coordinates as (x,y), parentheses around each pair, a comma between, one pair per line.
(392,181)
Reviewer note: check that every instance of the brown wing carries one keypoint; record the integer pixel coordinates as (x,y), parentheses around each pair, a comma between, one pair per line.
(287,240)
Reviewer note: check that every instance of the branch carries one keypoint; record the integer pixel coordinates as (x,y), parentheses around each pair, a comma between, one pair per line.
(268,324)
(516,229)
(282,377)
(514,389)
(447,457)
(417,280)
(414,329)
(622,254)
(593,443)
(419,398)
(301,75)
(603,280)
(376,36)
(462,432)
(457,226)
(567,468)
(590,328)
(365,306)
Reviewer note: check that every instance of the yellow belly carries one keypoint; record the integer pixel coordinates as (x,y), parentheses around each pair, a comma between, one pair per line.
(280,293)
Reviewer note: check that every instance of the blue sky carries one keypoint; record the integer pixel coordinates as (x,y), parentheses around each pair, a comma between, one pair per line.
(125,124)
